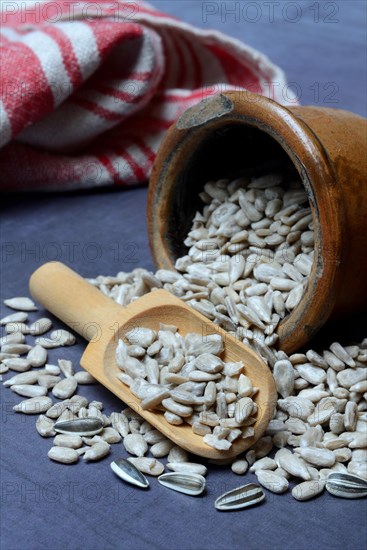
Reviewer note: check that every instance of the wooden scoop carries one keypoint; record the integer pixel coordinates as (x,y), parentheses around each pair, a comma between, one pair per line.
(100,320)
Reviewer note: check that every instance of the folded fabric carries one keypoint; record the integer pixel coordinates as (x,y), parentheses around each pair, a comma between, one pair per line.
(88,90)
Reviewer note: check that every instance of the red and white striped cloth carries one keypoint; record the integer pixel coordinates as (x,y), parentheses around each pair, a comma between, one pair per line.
(88,89)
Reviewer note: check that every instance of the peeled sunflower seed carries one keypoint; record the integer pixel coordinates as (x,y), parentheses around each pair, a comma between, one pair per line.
(189,484)
(126,470)
(97,451)
(48,380)
(308,489)
(20,349)
(135,444)
(47,343)
(240,497)
(63,337)
(80,426)
(18,317)
(66,368)
(346,485)
(66,440)
(21,303)
(28,390)
(29,377)
(65,388)
(147,465)
(40,326)
(13,338)
(45,426)
(17,364)
(34,405)
(65,455)
(177,454)
(187,468)
(272,481)
(83,377)
(37,356)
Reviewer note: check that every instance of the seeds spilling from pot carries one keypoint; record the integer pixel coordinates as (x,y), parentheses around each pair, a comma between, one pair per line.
(250,255)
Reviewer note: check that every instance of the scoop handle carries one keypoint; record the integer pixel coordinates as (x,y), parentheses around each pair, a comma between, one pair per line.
(76,302)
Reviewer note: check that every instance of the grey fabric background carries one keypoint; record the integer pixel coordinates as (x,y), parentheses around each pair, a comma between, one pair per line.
(84,506)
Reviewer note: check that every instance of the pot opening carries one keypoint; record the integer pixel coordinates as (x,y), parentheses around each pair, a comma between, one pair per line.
(228,152)
(241,227)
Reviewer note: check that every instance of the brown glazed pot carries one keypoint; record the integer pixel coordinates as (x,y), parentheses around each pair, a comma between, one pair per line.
(238,132)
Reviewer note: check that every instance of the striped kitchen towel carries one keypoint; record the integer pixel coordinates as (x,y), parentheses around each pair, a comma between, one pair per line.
(88,89)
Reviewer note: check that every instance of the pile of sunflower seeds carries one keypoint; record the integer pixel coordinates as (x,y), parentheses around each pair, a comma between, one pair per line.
(186,379)
(251,252)
(50,392)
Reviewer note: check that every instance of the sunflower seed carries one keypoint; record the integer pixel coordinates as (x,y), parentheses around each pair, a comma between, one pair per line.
(21,303)
(65,388)
(346,485)
(147,465)
(126,470)
(40,327)
(64,455)
(80,426)
(45,426)
(135,444)
(189,484)
(37,356)
(28,390)
(18,317)
(34,405)
(17,364)
(240,497)
(83,377)
(187,468)
(62,337)
(66,440)
(97,451)
(14,338)
(19,349)
(22,378)
(308,489)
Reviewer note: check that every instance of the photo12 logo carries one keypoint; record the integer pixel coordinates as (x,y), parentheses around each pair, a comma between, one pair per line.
(270,12)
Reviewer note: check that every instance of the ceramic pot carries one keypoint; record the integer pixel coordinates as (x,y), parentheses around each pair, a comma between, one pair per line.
(236,133)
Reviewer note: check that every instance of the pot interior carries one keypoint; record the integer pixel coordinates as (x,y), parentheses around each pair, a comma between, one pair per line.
(231,151)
